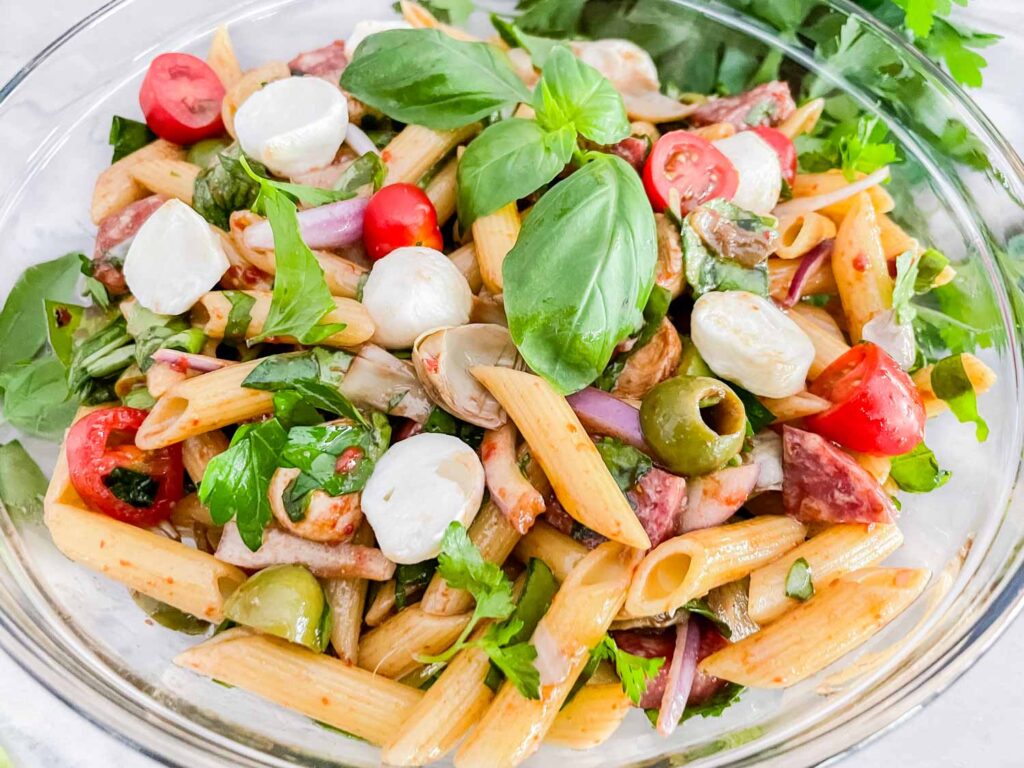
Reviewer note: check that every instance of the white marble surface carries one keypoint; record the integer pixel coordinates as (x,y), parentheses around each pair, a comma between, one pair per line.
(974,723)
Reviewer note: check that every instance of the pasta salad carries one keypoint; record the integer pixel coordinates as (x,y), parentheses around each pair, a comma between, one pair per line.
(467,394)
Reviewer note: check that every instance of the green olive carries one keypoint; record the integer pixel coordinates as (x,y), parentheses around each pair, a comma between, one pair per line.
(204,153)
(695,424)
(690,361)
(286,601)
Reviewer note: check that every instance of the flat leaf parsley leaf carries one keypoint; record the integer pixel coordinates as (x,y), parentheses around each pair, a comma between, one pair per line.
(635,672)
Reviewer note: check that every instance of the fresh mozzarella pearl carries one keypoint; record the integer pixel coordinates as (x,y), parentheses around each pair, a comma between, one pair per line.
(413,290)
(174,259)
(293,125)
(758,168)
(897,339)
(625,64)
(766,452)
(419,487)
(363,29)
(745,338)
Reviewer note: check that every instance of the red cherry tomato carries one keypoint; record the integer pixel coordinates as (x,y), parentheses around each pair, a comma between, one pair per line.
(181,98)
(876,407)
(689,164)
(399,215)
(784,148)
(115,477)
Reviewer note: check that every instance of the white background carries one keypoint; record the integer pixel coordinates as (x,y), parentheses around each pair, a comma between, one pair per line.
(977,722)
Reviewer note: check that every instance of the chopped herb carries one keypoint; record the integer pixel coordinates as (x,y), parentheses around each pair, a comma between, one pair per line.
(134,488)
(917,471)
(626,464)
(315,374)
(22,482)
(128,135)
(951,383)
(411,581)
(635,672)
(799,584)
(240,315)
(442,422)
(225,187)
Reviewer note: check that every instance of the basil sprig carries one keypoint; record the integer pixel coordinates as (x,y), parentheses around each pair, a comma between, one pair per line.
(951,383)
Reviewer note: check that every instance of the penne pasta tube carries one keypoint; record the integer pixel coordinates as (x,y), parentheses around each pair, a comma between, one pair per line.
(465,259)
(798,234)
(894,239)
(493,236)
(803,119)
(347,598)
(860,268)
(827,346)
(420,18)
(812,184)
(689,566)
(782,271)
(715,131)
(115,186)
(416,150)
(442,191)
(161,377)
(981,377)
(876,466)
(795,406)
(213,311)
(222,59)
(590,719)
(813,635)
(201,404)
(326,689)
(580,614)
(170,178)
(392,648)
(198,450)
(566,453)
(835,552)
(557,551)
(166,570)
(245,86)
(382,606)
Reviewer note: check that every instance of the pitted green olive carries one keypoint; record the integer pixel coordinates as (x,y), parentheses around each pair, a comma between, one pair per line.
(695,424)
(286,601)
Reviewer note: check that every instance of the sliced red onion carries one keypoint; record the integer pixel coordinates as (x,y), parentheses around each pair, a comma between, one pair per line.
(799,205)
(360,143)
(604,414)
(810,263)
(200,363)
(682,669)
(334,225)
(713,499)
(897,339)
(551,663)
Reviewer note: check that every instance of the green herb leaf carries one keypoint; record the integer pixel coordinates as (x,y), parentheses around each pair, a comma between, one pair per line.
(917,471)
(442,422)
(315,374)
(904,287)
(709,271)
(654,312)
(36,399)
(553,17)
(225,187)
(135,488)
(514,37)
(625,462)
(856,146)
(449,11)
(168,616)
(700,607)
(758,417)
(425,77)
(411,581)
(635,672)
(94,289)
(929,266)
(364,170)
(514,660)
(799,584)
(62,320)
(951,383)
(508,161)
(97,361)
(22,482)
(128,135)
(292,410)
(581,272)
(240,315)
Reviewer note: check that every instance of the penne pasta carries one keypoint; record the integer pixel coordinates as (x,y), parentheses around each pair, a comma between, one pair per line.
(198,450)
(383,604)
(813,635)
(465,259)
(715,131)
(116,187)
(493,236)
(212,312)
(876,466)
(557,551)
(392,648)
(894,239)
(161,377)
(782,271)
(170,178)
(689,566)
(245,86)
(566,453)
(190,510)
(590,719)
(835,552)
(862,274)
(368,706)
(795,406)
(347,598)
(828,345)
(811,184)
(800,233)
(803,119)
(442,191)
(222,59)
(420,18)
(416,150)
(981,377)
(580,614)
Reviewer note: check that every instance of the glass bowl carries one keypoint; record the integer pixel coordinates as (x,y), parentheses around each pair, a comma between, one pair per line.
(81,636)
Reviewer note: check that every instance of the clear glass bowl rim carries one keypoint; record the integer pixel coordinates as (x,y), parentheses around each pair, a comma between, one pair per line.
(174,744)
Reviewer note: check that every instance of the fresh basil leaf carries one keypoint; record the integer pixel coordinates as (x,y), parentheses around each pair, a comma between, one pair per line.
(236,482)
(135,488)
(62,320)
(36,399)
(625,462)
(140,398)
(581,272)
(380,129)
(558,18)
(707,270)
(365,170)
(442,422)
(508,161)
(446,11)
(22,482)
(225,187)
(655,311)
(917,471)
(929,266)
(700,607)
(293,410)
(411,581)
(239,316)
(315,374)
(951,383)
(514,37)
(22,321)
(97,361)
(799,584)
(425,77)
(94,289)
(206,153)
(571,93)
(128,135)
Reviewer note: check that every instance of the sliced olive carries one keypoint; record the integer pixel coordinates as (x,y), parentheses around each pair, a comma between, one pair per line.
(286,601)
(168,616)
(690,362)
(695,424)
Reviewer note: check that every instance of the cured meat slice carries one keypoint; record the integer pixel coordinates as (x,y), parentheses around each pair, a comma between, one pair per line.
(767,104)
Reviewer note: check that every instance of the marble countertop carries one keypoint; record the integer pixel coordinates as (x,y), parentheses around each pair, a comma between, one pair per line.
(968,725)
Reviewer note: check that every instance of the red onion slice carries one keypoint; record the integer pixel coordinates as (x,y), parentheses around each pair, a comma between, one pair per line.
(360,143)
(682,670)
(604,414)
(185,360)
(799,205)
(713,499)
(334,225)
(810,263)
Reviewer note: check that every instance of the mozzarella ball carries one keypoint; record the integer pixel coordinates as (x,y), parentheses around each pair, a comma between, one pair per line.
(759,170)
(174,260)
(745,338)
(413,290)
(418,488)
(363,29)
(293,125)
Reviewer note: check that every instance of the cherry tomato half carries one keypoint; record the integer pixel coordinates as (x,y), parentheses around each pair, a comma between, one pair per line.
(876,407)
(693,167)
(115,477)
(181,98)
(784,148)
(399,215)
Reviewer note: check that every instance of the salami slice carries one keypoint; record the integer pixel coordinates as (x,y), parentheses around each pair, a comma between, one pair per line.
(658,500)
(327,62)
(822,483)
(767,104)
(633,150)
(114,236)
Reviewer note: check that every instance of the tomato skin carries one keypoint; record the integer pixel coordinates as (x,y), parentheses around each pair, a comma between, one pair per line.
(784,148)
(400,215)
(181,98)
(102,441)
(876,407)
(690,164)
